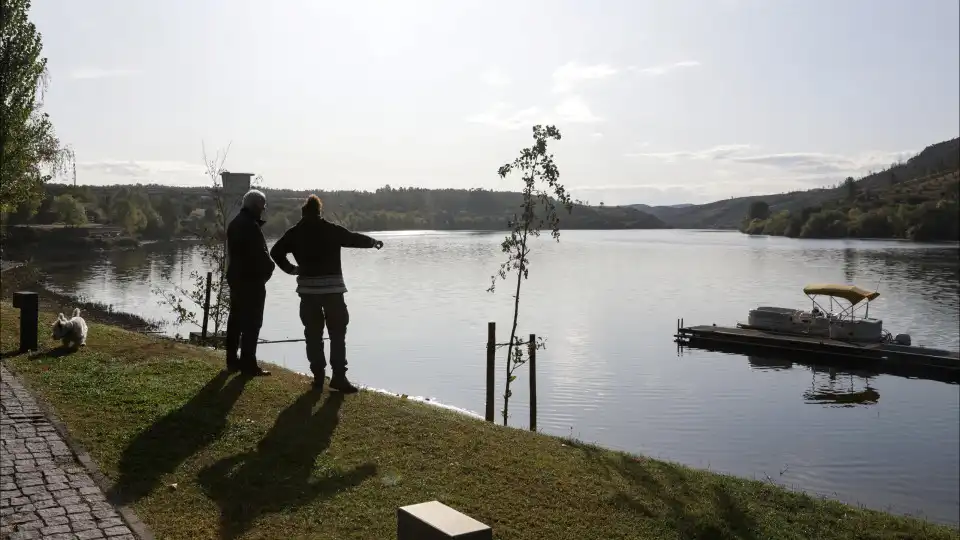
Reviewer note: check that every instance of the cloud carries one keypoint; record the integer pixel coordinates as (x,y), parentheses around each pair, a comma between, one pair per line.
(720,152)
(824,164)
(570,74)
(571,110)
(574,110)
(667,193)
(656,71)
(113,171)
(495,78)
(596,135)
(99,73)
(500,115)
(808,166)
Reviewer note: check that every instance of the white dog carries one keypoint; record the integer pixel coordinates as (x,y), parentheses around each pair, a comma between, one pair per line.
(73,331)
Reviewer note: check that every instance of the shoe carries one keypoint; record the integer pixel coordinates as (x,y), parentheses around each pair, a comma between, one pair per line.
(317,384)
(341,384)
(255,372)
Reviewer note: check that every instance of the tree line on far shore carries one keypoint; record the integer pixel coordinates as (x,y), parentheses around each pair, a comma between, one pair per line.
(920,209)
(162,212)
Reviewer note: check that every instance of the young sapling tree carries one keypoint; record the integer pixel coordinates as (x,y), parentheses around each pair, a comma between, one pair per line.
(541,195)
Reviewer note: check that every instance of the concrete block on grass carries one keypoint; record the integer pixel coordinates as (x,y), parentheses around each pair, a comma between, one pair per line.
(436,521)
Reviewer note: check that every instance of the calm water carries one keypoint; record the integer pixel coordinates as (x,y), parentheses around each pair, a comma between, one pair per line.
(607,303)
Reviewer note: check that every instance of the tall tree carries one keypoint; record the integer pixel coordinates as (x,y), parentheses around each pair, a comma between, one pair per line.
(758,210)
(69,210)
(27,139)
(850,185)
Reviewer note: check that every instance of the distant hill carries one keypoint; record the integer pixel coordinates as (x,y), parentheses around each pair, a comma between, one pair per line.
(666,213)
(942,157)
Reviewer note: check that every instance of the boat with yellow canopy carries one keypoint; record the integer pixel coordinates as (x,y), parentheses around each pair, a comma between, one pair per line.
(834,321)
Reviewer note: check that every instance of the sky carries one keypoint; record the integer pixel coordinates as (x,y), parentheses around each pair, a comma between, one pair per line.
(658,102)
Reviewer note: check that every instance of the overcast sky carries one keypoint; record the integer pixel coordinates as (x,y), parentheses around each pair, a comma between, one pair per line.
(659,102)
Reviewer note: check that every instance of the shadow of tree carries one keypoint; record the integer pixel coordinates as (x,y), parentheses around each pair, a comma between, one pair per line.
(704,510)
(162,447)
(278,474)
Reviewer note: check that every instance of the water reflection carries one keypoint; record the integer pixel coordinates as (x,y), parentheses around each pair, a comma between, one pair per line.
(832,387)
(850,265)
(762,362)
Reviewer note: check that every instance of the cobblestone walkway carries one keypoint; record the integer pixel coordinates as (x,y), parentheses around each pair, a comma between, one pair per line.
(44,491)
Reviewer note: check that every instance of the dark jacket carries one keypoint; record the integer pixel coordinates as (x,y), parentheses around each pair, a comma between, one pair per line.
(315,244)
(249,261)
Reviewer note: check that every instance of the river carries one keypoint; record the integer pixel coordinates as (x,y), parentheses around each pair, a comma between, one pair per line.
(607,303)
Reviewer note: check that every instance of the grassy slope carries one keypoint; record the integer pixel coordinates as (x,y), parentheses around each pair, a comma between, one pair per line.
(268,459)
(727,214)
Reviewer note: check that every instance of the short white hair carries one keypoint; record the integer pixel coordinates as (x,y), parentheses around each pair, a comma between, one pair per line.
(253,196)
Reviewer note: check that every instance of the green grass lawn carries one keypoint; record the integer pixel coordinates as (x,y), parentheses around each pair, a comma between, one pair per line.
(199,454)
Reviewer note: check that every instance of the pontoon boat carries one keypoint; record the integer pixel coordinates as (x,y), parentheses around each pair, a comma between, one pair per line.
(843,324)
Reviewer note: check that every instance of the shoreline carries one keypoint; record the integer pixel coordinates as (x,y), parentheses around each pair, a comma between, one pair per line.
(27,276)
(555,487)
(100,313)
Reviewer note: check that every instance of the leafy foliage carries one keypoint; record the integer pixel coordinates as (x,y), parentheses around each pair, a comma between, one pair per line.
(27,136)
(922,209)
(70,210)
(759,210)
(542,192)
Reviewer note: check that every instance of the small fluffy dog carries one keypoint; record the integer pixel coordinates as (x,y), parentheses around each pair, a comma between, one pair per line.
(72,331)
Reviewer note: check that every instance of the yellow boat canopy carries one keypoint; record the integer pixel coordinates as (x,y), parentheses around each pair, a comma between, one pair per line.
(850,293)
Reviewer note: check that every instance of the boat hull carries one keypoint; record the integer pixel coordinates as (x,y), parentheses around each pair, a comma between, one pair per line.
(803,323)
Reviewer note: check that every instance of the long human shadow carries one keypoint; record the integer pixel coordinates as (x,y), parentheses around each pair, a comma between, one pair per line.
(162,447)
(277,474)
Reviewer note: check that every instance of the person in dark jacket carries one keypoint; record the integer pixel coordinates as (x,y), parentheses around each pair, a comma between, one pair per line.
(315,244)
(248,269)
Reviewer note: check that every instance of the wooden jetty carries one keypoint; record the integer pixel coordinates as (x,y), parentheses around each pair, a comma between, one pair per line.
(878,355)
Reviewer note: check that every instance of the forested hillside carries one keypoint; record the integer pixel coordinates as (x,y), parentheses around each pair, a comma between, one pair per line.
(935,160)
(922,209)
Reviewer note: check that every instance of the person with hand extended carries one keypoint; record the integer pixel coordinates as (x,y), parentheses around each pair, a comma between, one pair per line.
(315,244)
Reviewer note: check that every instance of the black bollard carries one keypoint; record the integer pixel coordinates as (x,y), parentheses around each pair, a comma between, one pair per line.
(206,307)
(29,305)
(491,365)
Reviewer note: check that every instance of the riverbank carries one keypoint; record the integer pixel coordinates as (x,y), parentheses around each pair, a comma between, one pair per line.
(28,277)
(198,454)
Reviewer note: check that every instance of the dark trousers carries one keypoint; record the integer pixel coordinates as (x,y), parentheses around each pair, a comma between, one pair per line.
(317,310)
(244,322)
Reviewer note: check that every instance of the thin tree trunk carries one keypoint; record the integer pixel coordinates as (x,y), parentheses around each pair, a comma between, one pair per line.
(516,314)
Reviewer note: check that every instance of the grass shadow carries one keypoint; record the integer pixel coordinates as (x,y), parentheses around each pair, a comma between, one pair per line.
(698,509)
(54,352)
(162,447)
(278,474)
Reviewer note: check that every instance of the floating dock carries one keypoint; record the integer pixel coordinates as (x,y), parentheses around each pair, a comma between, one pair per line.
(880,356)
